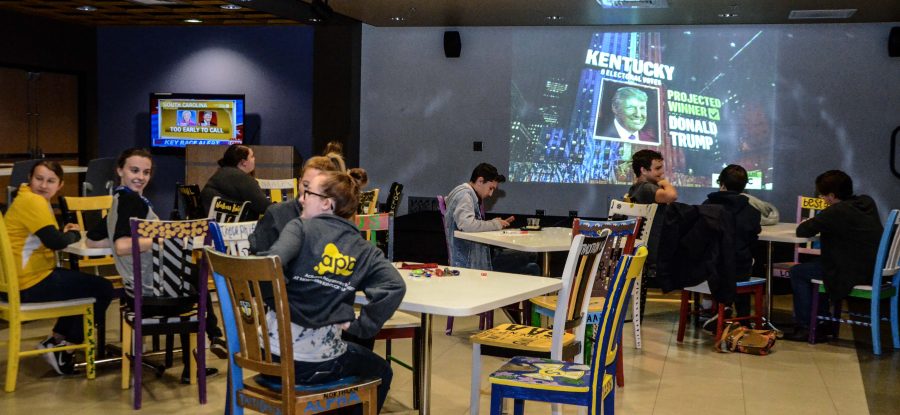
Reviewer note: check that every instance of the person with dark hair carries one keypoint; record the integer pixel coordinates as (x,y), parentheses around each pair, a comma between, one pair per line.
(234,181)
(650,186)
(34,236)
(208,119)
(849,230)
(135,168)
(732,181)
(326,261)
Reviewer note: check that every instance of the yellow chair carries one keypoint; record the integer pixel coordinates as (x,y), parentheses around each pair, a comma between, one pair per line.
(556,381)
(243,277)
(85,206)
(507,340)
(279,190)
(368,202)
(16,313)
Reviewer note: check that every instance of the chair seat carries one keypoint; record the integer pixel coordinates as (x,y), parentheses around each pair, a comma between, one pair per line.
(546,374)
(274,384)
(155,320)
(51,304)
(515,336)
(861,291)
(401,320)
(595,304)
(782,269)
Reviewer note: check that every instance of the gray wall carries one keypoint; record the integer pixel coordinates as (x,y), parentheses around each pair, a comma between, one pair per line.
(836,106)
(272,66)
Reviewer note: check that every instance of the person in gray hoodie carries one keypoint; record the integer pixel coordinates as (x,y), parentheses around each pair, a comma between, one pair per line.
(326,261)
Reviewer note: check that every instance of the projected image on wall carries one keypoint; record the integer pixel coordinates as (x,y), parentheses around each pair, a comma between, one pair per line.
(583,102)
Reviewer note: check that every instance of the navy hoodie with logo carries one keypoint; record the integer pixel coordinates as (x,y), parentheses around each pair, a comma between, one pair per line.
(326,262)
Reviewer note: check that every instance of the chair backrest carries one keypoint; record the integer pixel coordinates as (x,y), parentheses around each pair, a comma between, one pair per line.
(243,277)
(442,207)
(19,175)
(393,198)
(226,211)
(100,178)
(578,274)
(807,208)
(9,278)
(279,190)
(628,269)
(368,202)
(175,267)
(636,210)
(87,211)
(621,241)
(887,261)
(378,222)
(232,238)
(187,202)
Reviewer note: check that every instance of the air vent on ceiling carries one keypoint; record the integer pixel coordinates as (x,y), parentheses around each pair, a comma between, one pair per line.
(633,4)
(155,2)
(822,14)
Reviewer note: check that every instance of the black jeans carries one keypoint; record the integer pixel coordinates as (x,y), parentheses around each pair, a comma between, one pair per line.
(356,361)
(65,284)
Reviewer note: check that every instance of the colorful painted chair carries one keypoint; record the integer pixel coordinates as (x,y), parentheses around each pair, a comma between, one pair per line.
(174,283)
(226,211)
(16,313)
(755,286)
(507,340)
(807,207)
(243,277)
(187,203)
(279,190)
(368,202)
(556,381)
(885,286)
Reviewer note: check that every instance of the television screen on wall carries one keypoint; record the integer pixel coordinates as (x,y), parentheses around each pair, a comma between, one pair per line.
(177,120)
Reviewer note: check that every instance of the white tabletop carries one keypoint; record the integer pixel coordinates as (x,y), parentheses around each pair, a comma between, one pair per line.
(81,249)
(545,240)
(469,293)
(7,171)
(783,232)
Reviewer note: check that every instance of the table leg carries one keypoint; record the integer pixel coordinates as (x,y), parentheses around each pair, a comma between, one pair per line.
(424,381)
(768,317)
(546,264)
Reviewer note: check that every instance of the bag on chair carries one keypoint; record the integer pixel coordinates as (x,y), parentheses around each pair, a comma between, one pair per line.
(738,338)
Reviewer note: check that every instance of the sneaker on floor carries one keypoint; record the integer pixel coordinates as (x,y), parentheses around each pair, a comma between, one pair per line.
(186,377)
(218,347)
(61,362)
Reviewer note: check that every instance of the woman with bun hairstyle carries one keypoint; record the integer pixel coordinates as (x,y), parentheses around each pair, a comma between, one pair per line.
(34,236)
(234,181)
(321,289)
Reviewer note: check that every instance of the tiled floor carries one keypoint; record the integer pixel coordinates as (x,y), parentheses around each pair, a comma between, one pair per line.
(662,378)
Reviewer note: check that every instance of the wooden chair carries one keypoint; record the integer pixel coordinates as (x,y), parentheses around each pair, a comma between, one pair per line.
(187,203)
(16,313)
(368,202)
(100,178)
(507,340)
(279,190)
(648,213)
(243,277)
(556,381)
(486,319)
(175,283)
(807,207)
(395,193)
(87,211)
(885,286)
(755,286)
(401,325)
(226,211)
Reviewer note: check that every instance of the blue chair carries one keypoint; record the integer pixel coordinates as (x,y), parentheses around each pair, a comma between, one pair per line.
(242,279)
(572,383)
(885,286)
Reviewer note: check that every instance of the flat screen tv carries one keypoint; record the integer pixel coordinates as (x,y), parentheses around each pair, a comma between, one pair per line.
(177,120)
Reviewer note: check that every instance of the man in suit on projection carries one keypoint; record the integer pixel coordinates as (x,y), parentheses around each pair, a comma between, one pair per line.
(629,108)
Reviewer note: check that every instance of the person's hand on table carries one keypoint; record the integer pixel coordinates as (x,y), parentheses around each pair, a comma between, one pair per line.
(508,221)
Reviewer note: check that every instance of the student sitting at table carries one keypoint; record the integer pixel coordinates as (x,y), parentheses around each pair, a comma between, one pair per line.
(234,181)
(732,181)
(326,262)
(849,230)
(135,167)
(34,236)
(278,215)
(464,214)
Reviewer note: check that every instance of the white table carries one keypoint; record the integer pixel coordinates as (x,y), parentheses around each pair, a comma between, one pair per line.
(7,171)
(81,249)
(467,294)
(785,232)
(544,241)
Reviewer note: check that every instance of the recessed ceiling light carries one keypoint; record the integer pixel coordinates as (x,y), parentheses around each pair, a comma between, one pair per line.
(86,8)
(193,21)
(555,18)
(230,6)
(728,15)
(314,20)
(398,18)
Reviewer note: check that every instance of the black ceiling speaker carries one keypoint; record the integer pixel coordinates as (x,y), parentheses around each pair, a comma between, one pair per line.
(894,42)
(452,44)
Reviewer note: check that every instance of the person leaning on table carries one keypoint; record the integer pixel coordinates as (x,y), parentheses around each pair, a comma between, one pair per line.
(849,230)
